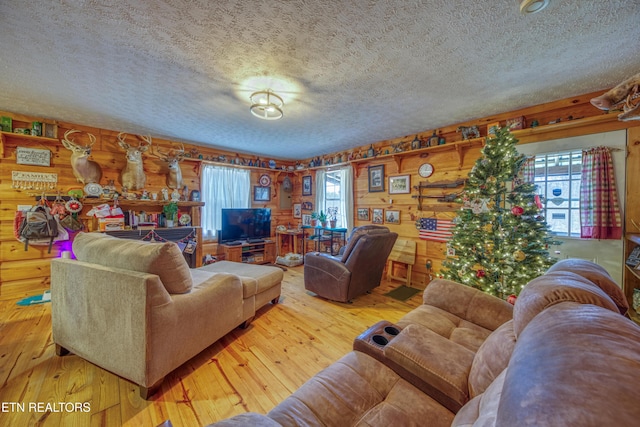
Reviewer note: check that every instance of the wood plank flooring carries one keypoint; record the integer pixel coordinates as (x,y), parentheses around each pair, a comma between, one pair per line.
(247,370)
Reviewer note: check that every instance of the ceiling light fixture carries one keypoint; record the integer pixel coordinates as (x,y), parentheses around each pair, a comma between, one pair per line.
(266,105)
(532,6)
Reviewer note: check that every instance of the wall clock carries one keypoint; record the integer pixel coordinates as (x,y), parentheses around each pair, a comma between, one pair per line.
(425,170)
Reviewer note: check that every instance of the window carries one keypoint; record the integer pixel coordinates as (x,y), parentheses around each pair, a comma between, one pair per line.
(558,178)
(334,192)
(222,187)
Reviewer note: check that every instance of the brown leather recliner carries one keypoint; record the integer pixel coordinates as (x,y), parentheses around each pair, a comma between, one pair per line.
(358,270)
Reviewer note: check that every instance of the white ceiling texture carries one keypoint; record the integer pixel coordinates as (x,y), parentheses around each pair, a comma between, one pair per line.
(350,72)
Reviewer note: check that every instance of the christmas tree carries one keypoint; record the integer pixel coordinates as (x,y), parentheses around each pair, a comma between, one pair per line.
(500,239)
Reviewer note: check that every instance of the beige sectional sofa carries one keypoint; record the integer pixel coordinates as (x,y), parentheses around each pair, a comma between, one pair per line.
(136,309)
(564,356)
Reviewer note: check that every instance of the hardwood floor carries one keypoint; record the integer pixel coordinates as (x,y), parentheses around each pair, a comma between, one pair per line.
(247,370)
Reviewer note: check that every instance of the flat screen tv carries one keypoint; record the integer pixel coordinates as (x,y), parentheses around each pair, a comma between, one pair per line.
(245,224)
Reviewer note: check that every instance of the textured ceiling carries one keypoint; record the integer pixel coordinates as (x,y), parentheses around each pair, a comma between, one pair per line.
(351,72)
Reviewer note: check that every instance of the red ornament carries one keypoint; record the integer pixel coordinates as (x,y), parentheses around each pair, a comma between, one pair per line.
(480,273)
(511,299)
(517,210)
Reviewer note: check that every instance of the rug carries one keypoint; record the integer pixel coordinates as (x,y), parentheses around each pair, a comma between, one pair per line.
(403,293)
(36,299)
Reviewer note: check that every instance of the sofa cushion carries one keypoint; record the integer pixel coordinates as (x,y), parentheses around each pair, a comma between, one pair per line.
(255,278)
(574,365)
(491,358)
(356,234)
(554,288)
(162,259)
(442,365)
(358,390)
(598,275)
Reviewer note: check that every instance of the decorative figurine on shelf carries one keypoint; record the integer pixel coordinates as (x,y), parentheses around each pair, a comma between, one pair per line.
(433,140)
(469,132)
(415,144)
(175,195)
(145,195)
(165,194)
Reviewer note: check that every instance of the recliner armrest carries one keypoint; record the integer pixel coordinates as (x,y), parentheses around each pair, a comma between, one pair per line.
(434,364)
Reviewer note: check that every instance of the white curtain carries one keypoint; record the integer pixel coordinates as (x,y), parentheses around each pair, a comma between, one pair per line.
(346,196)
(321,185)
(345,211)
(222,187)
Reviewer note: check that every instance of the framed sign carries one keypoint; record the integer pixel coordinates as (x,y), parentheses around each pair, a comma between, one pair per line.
(261,194)
(400,184)
(378,216)
(33,156)
(392,217)
(306,185)
(363,214)
(297,210)
(376,178)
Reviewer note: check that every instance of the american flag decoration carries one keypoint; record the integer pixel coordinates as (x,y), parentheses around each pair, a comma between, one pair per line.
(436,229)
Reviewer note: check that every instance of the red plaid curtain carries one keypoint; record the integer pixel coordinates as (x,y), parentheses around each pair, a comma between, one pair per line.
(599,209)
(528,169)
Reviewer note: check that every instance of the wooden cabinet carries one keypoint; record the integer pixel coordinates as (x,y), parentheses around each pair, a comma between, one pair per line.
(631,272)
(251,253)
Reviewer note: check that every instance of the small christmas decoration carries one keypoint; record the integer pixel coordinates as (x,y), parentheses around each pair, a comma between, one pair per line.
(511,299)
(517,210)
(480,273)
(519,256)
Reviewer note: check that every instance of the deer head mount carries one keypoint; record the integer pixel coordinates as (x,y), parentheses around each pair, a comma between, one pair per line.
(132,175)
(86,171)
(173,157)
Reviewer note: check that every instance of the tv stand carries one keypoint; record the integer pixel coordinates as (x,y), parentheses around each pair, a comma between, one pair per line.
(251,253)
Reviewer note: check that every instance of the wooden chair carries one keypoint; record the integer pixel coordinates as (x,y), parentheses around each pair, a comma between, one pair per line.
(404,252)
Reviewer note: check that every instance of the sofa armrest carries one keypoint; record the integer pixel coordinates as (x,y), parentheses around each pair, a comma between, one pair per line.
(320,267)
(102,314)
(434,364)
(468,303)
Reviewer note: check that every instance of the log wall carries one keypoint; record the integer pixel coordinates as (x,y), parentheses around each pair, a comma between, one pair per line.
(26,272)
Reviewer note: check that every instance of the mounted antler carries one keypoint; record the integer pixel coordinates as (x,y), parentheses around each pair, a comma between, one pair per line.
(133,176)
(173,158)
(85,170)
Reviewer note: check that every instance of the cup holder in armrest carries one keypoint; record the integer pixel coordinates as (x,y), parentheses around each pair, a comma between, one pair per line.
(380,340)
(391,330)
(373,340)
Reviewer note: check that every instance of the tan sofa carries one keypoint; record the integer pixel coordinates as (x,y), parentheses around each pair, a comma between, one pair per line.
(567,357)
(136,309)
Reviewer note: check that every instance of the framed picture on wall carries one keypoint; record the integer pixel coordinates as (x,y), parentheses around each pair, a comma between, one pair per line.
(376,178)
(400,184)
(392,217)
(378,216)
(297,210)
(306,219)
(363,214)
(261,194)
(306,185)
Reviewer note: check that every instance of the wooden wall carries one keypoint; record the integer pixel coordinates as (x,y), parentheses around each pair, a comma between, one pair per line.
(24,273)
(576,117)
